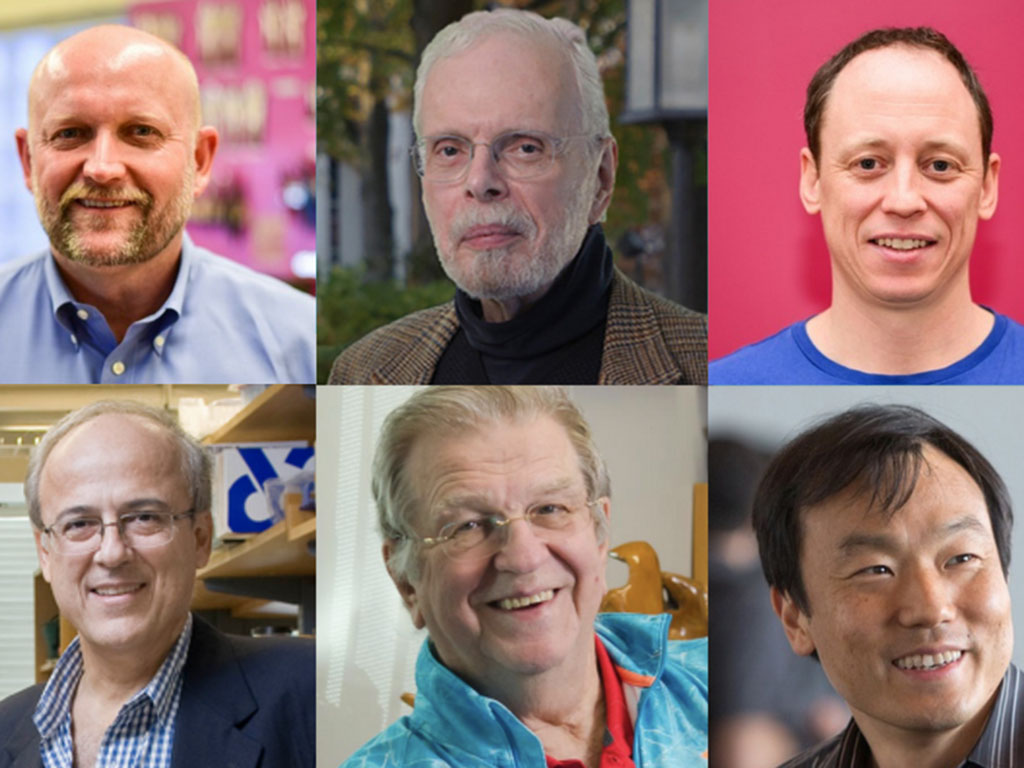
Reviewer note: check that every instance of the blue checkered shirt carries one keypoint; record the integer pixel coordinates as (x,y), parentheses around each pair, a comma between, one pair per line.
(142,734)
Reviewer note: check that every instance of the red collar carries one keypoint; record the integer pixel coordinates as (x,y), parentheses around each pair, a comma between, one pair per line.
(618,735)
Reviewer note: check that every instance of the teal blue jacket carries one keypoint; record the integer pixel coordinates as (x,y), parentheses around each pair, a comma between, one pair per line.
(666,687)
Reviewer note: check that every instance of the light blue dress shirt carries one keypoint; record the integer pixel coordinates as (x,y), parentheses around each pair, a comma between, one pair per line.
(222,323)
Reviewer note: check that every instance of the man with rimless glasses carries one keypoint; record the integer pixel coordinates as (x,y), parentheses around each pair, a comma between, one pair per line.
(493,505)
(119,497)
(518,165)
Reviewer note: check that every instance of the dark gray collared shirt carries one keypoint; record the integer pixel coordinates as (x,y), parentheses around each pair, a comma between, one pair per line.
(1001,744)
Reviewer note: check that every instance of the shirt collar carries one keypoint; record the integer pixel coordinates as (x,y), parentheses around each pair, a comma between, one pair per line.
(638,654)
(1001,742)
(60,296)
(1003,738)
(54,705)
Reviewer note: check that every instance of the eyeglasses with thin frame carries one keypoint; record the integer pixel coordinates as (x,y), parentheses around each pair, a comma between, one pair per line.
(480,536)
(82,534)
(519,155)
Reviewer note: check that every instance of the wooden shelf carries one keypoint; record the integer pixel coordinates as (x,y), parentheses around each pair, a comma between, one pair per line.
(276,551)
(276,562)
(281,412)
(46,610)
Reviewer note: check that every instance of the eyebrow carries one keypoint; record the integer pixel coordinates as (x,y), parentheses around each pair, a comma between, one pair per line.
(877,142)
(881,542)
(505,132)
(477,500)
(52,122)
(84,509)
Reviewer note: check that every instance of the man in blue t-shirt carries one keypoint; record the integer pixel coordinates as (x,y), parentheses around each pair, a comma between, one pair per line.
(900,167)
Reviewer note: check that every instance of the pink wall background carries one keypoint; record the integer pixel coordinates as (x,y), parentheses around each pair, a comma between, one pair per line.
(250,168)
(768,265)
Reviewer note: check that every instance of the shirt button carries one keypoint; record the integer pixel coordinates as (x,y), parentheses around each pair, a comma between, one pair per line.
(117,368)
(74,339)
(158,342)
(83,315)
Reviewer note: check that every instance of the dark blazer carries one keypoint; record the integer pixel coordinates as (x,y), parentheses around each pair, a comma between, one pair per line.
(245,703)
(648,340)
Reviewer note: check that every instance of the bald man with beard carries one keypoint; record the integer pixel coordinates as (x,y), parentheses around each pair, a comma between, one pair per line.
(115,153)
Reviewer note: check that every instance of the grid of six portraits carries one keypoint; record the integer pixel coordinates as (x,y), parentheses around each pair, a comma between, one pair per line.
(501,285)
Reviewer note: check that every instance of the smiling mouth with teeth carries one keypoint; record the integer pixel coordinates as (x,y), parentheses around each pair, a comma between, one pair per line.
(514,603)
(112,591)
(902,243)
(928,661)
(105,203)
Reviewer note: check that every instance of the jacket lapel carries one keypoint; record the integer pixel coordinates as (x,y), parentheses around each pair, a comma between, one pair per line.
(20,747)
(215,699)
(430,335)
(24,745)
(634,348)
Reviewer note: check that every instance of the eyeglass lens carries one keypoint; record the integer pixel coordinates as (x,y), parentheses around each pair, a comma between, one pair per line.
(142,530)
(519,155)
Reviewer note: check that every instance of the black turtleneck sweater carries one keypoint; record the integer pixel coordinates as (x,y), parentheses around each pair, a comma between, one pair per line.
(558,340)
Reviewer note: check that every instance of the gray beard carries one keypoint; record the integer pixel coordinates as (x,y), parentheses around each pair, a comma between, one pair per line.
(142,241)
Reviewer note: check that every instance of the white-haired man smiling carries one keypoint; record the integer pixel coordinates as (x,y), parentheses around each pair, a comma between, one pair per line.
(493,505)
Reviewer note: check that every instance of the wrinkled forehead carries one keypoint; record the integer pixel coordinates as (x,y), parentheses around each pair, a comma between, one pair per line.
(519,452)
(507,77)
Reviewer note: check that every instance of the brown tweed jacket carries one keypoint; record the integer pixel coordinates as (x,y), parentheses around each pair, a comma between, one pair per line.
(648,340)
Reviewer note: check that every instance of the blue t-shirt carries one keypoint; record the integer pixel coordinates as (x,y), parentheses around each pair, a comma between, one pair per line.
(790,357)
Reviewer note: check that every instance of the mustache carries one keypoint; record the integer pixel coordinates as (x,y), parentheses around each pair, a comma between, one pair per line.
(80,189)
(494,214)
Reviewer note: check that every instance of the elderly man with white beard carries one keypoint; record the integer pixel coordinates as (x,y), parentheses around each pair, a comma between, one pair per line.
(518,165)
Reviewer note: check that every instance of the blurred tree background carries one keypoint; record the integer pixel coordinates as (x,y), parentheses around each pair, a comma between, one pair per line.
(367,52)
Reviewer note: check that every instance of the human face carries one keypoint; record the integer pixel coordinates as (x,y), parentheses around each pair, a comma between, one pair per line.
(498,238)
(901,181)
(885,594)
(121,600)
(113,155)
(506,468)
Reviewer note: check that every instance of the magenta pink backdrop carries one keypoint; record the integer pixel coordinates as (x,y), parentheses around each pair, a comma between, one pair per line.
(256,64)
(768,265)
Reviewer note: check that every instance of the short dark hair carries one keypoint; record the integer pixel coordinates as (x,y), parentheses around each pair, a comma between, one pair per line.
(877,448)
(916,37)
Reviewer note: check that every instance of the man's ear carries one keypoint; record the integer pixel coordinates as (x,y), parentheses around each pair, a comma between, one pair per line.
(207,140)
(42,554)
(21,139)
(202,529)
(794,623)
(990,188)
(405,588)
(604,507)
(810,182)
(605,181)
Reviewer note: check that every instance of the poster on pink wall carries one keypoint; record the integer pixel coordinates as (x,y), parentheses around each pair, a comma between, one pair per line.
(256,64)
